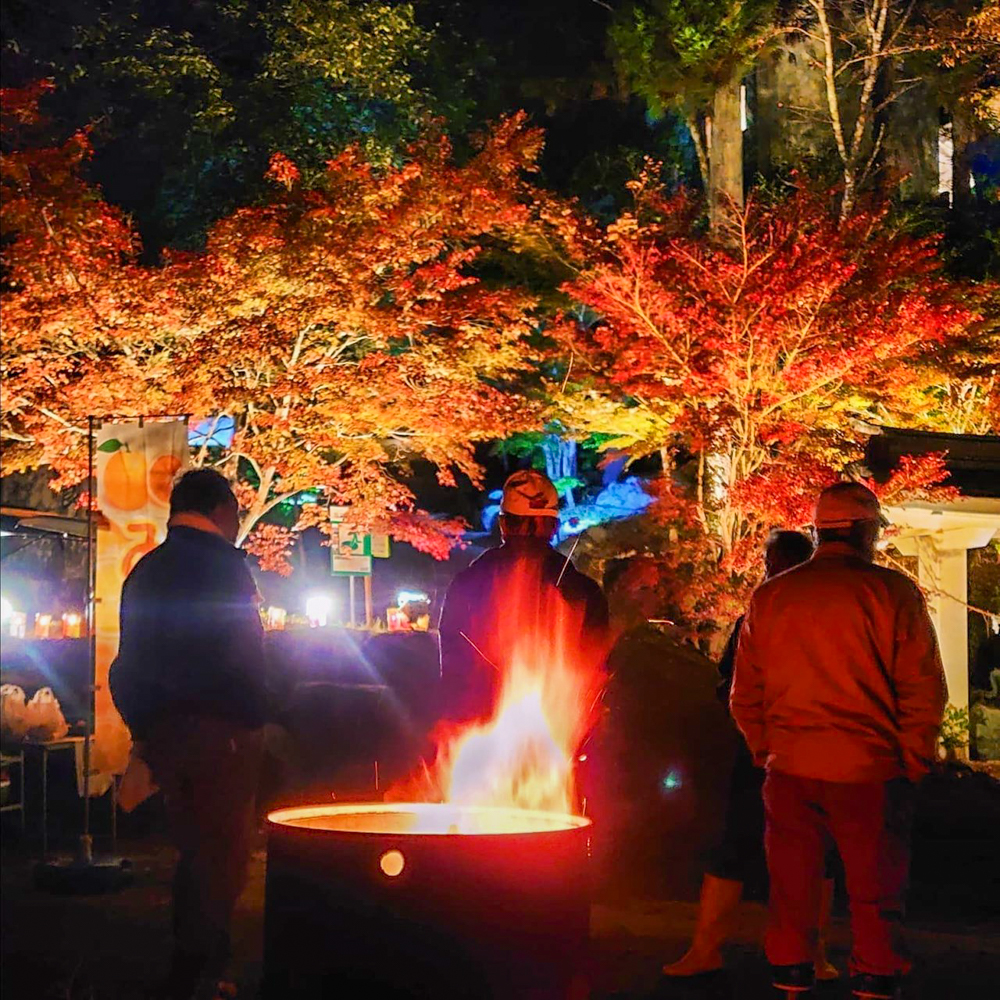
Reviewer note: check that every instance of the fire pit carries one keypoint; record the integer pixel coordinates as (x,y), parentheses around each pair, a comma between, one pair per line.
(425,900)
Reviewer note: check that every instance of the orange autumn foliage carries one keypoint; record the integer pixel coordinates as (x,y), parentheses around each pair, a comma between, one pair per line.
(343,329)
(751,365)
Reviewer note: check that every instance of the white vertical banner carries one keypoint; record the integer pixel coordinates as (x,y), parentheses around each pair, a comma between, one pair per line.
(136,464)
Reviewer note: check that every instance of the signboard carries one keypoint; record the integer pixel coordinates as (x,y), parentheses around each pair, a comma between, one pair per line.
(351,541)
(136,466)
(352,548)
(351,565)
(350,553)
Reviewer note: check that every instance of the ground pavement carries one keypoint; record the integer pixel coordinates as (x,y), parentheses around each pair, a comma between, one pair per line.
(113,947)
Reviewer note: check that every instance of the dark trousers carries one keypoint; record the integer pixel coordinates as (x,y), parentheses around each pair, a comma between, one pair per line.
(739,855)
(208,771)
(870,823)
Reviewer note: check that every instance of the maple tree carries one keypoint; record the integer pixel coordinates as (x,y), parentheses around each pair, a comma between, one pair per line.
(73,293)
(747,364)
(340,328)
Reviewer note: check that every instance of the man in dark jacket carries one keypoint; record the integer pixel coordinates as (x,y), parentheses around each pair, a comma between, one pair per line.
(741,848)
(520,595)
(189,683)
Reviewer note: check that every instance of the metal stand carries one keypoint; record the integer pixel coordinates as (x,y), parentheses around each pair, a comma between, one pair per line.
(83,875)
(16,760)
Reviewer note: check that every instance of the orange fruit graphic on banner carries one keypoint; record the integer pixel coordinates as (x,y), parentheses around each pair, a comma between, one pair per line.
(161,477)
(124,477)
(148,542)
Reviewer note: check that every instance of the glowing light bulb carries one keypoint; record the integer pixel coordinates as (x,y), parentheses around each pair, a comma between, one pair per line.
(318,608)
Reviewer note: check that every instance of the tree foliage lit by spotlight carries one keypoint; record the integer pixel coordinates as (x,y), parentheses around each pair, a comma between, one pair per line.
(341,328)
(753,363)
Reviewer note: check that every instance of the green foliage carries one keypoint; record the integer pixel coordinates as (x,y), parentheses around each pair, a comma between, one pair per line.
(955,728)
(361,47)
(189,101)
(676,52)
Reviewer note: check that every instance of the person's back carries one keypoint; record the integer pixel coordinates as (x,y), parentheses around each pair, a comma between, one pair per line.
(840,691)
(522,598)
(852,665)
(191,638)
(189,683)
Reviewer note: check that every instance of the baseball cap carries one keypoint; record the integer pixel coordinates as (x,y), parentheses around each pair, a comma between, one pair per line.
(530,494)
(840,505)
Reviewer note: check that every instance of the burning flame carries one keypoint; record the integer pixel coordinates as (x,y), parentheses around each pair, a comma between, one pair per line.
(549,675)
(516,760)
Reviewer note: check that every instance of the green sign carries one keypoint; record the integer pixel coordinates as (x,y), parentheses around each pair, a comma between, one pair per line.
(351,542)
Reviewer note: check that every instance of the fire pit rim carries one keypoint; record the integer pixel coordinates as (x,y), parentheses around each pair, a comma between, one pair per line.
(281,818)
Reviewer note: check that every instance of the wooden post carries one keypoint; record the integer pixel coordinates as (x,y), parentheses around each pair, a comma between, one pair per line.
(368,601)
(350,591)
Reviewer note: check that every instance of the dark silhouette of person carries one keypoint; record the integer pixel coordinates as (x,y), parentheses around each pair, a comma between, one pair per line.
(520,599)
(740,851)
(189,681)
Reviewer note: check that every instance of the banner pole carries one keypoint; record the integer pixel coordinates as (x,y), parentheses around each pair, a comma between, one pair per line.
(86,843)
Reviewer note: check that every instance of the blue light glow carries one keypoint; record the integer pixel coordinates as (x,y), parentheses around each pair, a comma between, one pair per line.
(411,597)
(614,503)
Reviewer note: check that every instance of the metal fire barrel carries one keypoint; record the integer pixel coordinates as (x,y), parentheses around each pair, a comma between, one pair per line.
(424,900)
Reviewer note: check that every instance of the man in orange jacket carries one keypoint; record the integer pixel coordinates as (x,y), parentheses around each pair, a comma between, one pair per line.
(839,692)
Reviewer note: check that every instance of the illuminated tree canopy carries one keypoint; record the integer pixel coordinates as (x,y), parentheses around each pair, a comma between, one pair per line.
(340,327)
(288,219)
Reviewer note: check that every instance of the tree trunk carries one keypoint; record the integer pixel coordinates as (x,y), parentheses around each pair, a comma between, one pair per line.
(850,193)
(963,135)
(765,124)
(560,462)
(725,155)
(694,129)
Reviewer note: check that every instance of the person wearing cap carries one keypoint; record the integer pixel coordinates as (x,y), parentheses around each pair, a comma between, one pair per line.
(839,692)
(520,594)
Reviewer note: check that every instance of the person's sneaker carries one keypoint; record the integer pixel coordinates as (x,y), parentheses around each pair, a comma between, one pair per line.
(871,987)
(793,980)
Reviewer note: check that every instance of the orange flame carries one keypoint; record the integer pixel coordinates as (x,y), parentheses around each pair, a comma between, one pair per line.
(547,686)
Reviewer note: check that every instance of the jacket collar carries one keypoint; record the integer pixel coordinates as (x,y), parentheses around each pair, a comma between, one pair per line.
(206,529)
(836,549)
(191,519)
